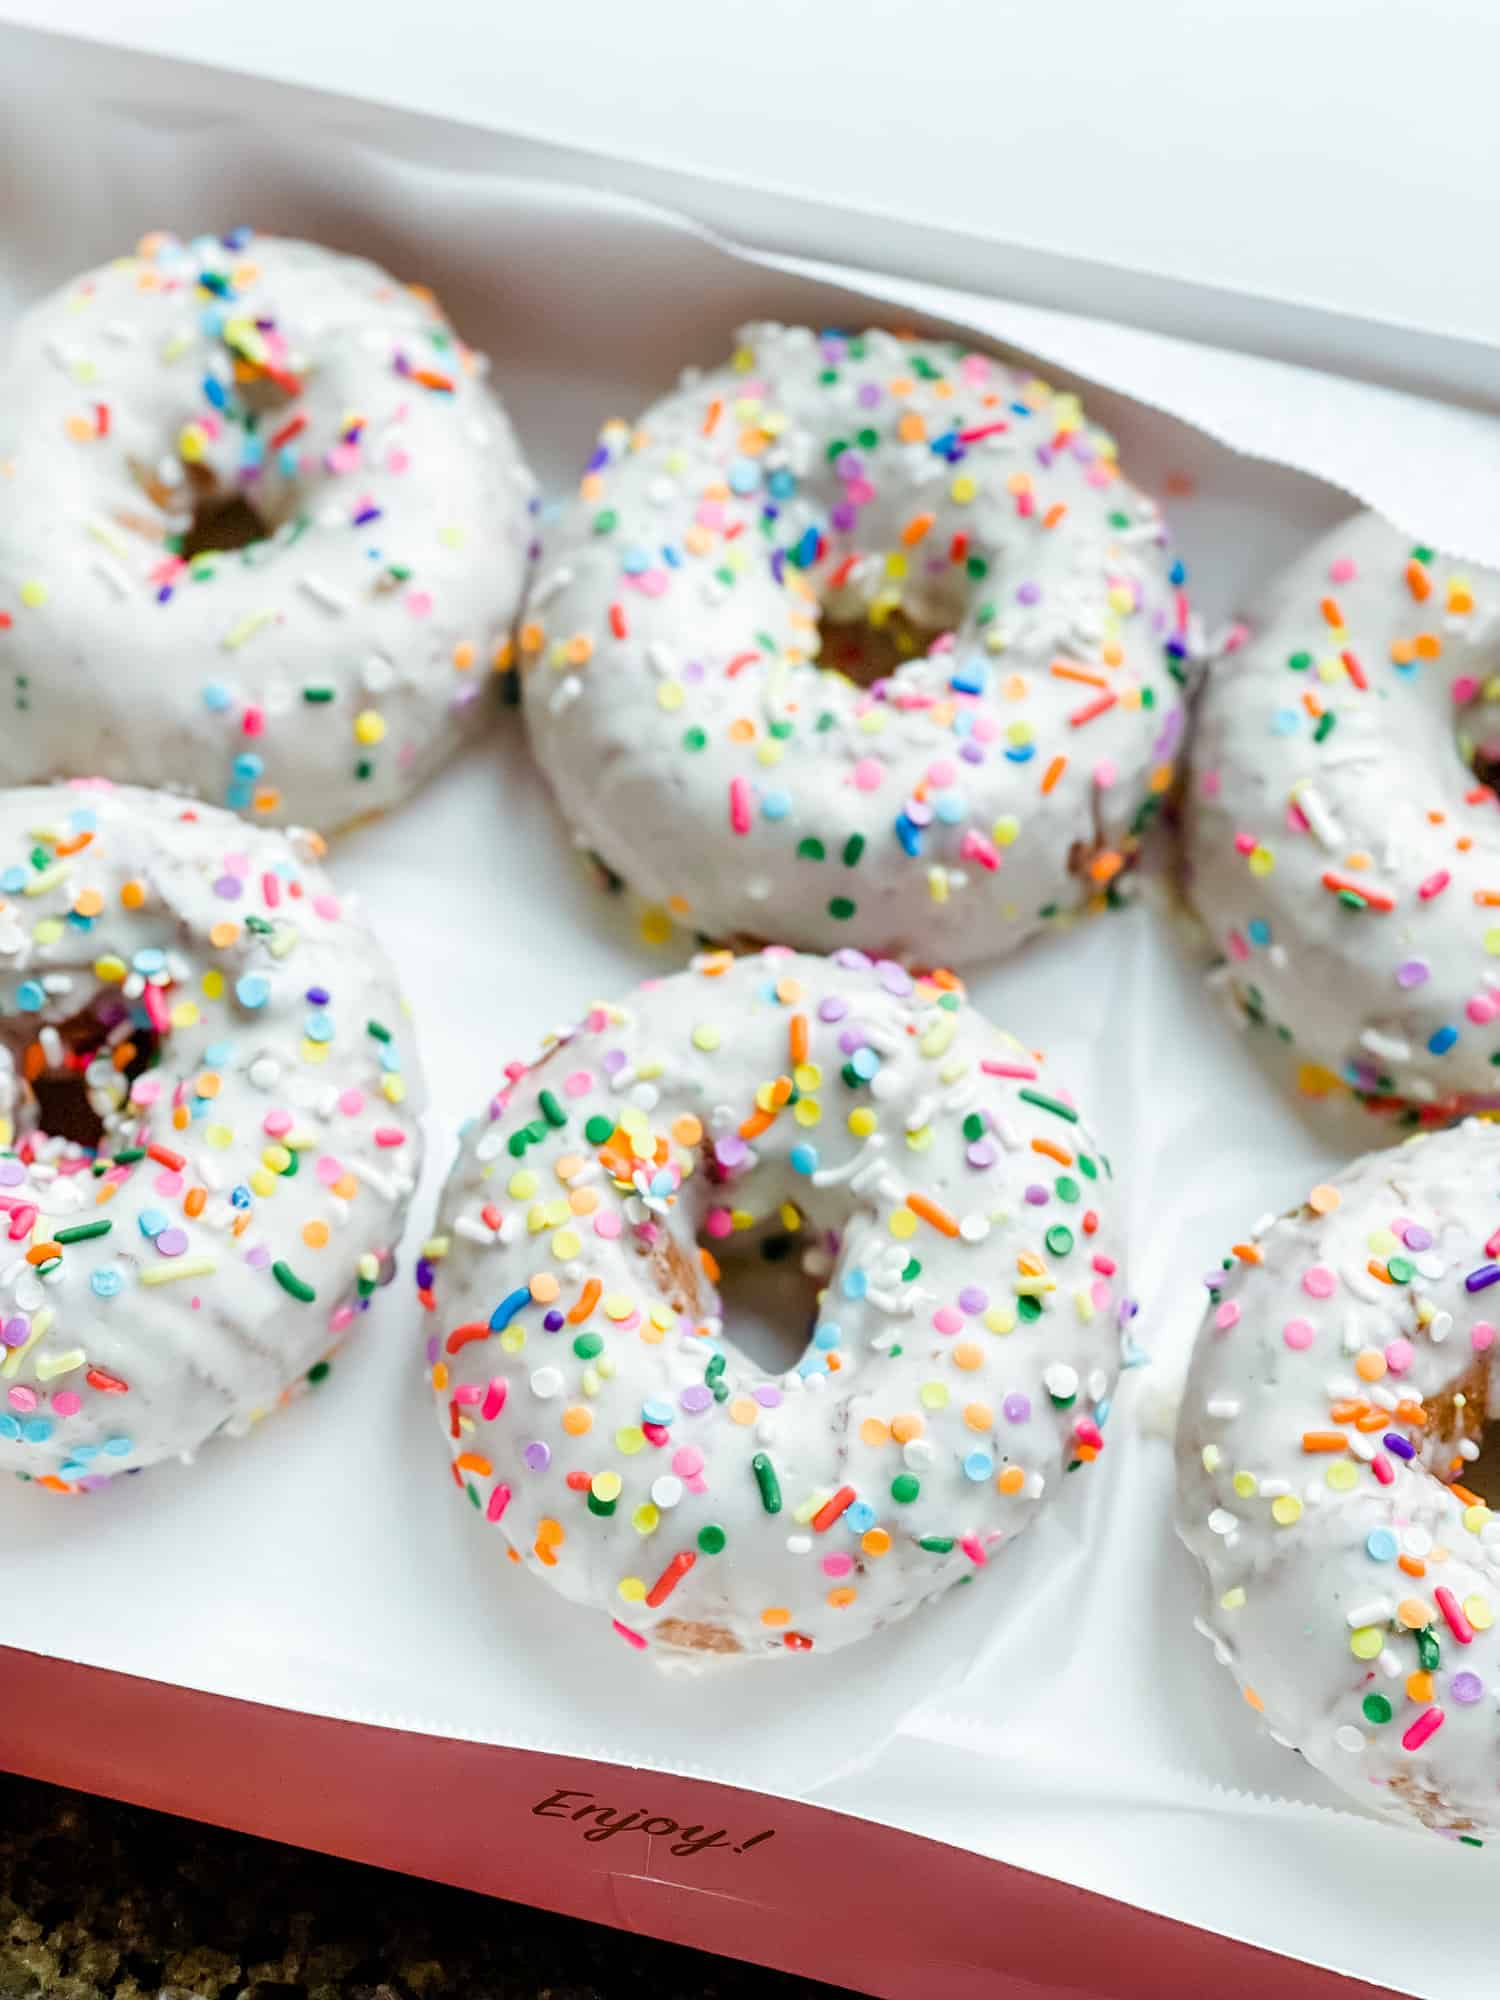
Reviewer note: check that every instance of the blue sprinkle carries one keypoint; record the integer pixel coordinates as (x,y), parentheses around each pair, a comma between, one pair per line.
(248,765)
(1020,753)
(671,555)
(219,1055)
(37,1430)
(105,1282)
(152,1221)
(950,807)
(1381,1545)
(1285,722)
(1178,572)
(1259,931)
(812,1364)
(657,1410)
(854,1284)
(776,805)
(318,1027)
(254,990)
(390,1059)
(10,1430)
(1442,1040)
(217,697)
(864,1062)
(829,1334)
(860,1517)
(215,391)
(635,561)
(117,1447)
(969,679)
(978,1465)
(782,484)
(12,880)
(30,997)
(744,475)
(909,835)
(240,797)
(804,1159)
(151,959)
(507,1309)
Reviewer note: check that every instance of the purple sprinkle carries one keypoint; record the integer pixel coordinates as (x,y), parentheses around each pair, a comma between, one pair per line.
(15,1331)
(972,1300)
(1415,972)
(554,1321)
(1029,593)
(869,395)
(833,1008)
(1017,1408)
(425,1275)
(731,1151)
(319,995)
(537,1455)
(894,978)
(600,459)
(695,1399)
(1416,1237)
(12,1173)
(972,752)
(1036,1195)
(849,465)
(768,1396)
(843,518)
(852,959)
(171,1242)
(1466,1688)
(230,888)
(259,1259)
(434,1348)
(918,811)
(982,1153)
(1402,1447)
(1487,1274)
(614,1060)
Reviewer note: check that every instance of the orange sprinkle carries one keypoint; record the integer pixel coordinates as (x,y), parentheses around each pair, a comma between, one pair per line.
(1065,670)
(1053,772)
(1054,514)
(916,528)
(712,415)
(797,1039)
(194,1201)
(1331,612)
(1412,1565)
(42,1253)
(929,1211)
(1377,1270)
(710,1265)
(1469,1499)
(1247,1253)
(1324,1441)
(471,1461)
(1052,1151)
(588,1298)
(1418,582)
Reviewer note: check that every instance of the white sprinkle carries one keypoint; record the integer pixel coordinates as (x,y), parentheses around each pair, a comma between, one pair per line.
(324,593)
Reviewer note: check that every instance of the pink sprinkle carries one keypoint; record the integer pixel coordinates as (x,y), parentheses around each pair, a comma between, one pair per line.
(1237,946)
(1025,1071)
(23,1398)
(277,1122)
(398,459)
(635,1639)
(1298,1334)
(351,1103)
(494,1399)
(1319,1282)
(947,1320)
(467,1393)
(389,1135)
(1210,785)
(1481,1336)
(1100,1293)
(253,721)
(1481,1009)
(1447,1603)
(327,907)
(974,847)
(1399,1356)
(499,1501)
(739,804)
(1228,1315)
(1382,1468)
(1106,1265)
(720,1222)
(973,1548)
(606,1224)
(67,1402)
(270,889)
(868,774)
(1244,843)
(1464,689)
(837,1565)
(340,1317)
(1105,774)
(1434,885)
(1428,1723)
(688,1462)
(419,603)
(329,1169)
(579,1084)
(1341,571)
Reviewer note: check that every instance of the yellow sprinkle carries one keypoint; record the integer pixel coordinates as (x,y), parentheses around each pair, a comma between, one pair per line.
(181,1267)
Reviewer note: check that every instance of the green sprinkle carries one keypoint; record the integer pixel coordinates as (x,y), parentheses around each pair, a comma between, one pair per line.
(379,1030)
(1325,725)
(128,1155)
(936,1545)
(854,847)
(810,849)
(905,1487)
(841,907)
(472,1491)
(288,1280)
(1300,662)
(1028,1306)
(766,1480)
(1428,1655)
(598,1506)
(974,1126)
(714,1369)
(1377,1709)
(1398,1267)
(1051,1104)
(1059,1239)
(587,1345)
(1067,1188)
(552,1111)
(712,1539)
(317,695)
(695,739)
(606,521)
(81,1232)
(320,1371)
(598,1129)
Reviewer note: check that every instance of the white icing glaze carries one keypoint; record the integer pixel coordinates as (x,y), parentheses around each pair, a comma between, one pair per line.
(672,678)
(280,1117)
(1305,781)
(952,1209)
(321,673)
(1340,1349)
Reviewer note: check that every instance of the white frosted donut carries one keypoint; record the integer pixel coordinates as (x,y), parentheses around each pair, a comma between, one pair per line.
(1344,854)
(952,1211)
(193,991)
(197,394)
(1343,1373)
(994,781)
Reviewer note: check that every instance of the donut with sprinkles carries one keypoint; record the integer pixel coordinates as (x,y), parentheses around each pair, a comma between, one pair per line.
(1344,835)
(209,1126)
(278,478)
(1336,1402)
(953,1220)
(859,640)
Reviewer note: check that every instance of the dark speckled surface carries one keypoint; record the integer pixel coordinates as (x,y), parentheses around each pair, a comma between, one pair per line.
(100,1901)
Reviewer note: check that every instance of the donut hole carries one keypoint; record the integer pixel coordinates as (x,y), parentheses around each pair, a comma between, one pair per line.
(867,652)
(69,1073)
(221,522)
(1482,1475)
(768,1298)
(1477,734)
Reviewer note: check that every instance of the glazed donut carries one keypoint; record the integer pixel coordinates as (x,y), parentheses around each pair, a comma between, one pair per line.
(218,1047)
(965,535)
(1343,1374)
(1344,853)
(949,1205)
(280,478)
